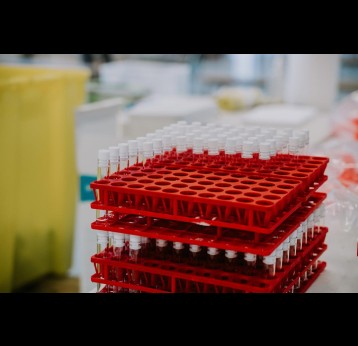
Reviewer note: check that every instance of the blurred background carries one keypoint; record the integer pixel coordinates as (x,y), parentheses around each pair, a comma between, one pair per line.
(56,111)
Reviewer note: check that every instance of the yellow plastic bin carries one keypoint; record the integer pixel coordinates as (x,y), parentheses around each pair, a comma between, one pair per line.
(38,177)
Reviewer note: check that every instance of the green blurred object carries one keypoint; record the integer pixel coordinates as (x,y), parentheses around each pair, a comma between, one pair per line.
(97,91)
(38,176)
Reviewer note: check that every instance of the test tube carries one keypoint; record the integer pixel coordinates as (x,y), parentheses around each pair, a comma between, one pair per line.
(221,138)
(230,150)
(167,145)
(194,254)
(322,210)
(133,152)
(113,160)
(118,252)
(279,257)
(124,156)
(103,169)
(181,145)
(304,232)
(134,255)
(231,260)
(140,141)
(158,148)
(293,148)
(148,153)
(161,249)
(213,257)
(250,260)
(213,147)
(198,149)
(102,252)
(270,265)
(247,152)
(178,252)
(264,155)
(310,227)
(286,251)
(299,238)
(293,244)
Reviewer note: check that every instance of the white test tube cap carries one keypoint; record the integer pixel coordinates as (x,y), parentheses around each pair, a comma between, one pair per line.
(181,143)
(133,147)
(279,251)
(102,238)
(293,234)
(230,146)
(211,125)
(247,149)
(286,244)
(255,144)
(157,146)
(230,254)
(148,149)
(269,259)
(293,238)
(280,142)
(301,139)
(205,139)
(198,145)
(232,133)
(287,130)
(161,243)
(307,136)
(273,146)
(150,136)
(103,154)
(299,230)
(196,124)
(190,140)
(144,240)
(181,122)
(167,142)
(140,141)
(261,137)
(293,143)
(182,129)
(304,226)
(250,257)
(213,146)
(134,242)
(177,245)
(238,145)
(221,141)
(251,131)
(113,154)
(265,151)
(194,248)
(310,221)
(123,151)
(272,131)
(118,239)
(212,251)
(159,132)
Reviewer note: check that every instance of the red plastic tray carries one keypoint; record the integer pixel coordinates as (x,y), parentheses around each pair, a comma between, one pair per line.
(168,277)
(221,238)
(222,199)
(308,169)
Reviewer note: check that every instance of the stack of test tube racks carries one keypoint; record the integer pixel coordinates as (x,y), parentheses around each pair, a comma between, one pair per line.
(210,219)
